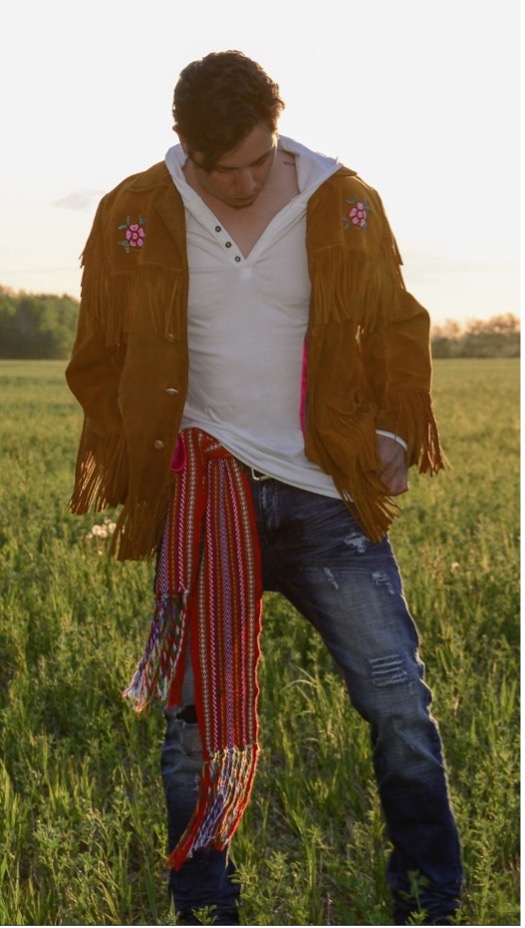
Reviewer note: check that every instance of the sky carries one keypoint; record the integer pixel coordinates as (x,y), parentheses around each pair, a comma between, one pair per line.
(420,97)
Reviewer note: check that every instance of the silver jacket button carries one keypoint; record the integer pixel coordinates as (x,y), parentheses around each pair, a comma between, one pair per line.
(172,391)
(170,336)
(159,445)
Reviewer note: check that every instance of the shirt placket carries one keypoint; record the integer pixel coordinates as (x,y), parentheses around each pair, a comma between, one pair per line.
(228,246)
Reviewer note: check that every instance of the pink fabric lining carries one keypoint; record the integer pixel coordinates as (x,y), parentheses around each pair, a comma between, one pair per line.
(178,461)
(302,410)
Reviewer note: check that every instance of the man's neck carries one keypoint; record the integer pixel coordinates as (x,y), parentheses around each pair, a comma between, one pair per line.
(246,225)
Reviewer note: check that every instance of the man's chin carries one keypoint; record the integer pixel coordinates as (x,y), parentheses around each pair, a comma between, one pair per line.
(244,203)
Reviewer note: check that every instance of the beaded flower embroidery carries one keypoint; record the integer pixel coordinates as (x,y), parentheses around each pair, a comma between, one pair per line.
(357,215)
(134,233)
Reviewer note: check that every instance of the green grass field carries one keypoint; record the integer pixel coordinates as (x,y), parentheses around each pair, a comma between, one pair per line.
(82,832)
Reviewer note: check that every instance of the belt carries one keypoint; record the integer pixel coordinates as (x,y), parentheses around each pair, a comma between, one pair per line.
(256,475)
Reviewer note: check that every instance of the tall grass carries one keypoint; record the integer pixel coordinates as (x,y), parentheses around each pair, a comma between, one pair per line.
(82,832)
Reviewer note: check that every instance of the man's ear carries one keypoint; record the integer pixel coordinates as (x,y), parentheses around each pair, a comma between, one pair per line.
(182,140)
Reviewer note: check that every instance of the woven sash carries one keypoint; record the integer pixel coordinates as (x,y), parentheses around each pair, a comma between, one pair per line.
(208,579)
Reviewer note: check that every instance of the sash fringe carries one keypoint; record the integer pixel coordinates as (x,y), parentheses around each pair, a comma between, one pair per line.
(162,655)
(224,792)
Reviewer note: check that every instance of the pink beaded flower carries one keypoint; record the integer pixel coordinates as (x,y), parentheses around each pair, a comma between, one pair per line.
(357,215)
(134,233)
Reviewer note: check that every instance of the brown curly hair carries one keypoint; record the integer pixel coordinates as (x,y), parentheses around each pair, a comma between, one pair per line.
(219,99)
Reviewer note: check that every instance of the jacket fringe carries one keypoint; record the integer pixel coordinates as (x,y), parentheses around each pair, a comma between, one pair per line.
(123,302)
(431,457)
(375,514)
(139,528)
(101,482)
(347,285)
(354,461)
(101,472)
(354,465)
(415,418)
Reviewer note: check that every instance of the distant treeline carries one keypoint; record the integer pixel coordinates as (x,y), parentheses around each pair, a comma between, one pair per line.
(43,326)
(498,337)
(36,326)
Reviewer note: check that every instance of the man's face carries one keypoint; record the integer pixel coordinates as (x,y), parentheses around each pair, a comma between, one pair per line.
(238,177)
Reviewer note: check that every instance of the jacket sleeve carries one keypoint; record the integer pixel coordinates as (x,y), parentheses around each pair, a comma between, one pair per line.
(93,376)
(396,359)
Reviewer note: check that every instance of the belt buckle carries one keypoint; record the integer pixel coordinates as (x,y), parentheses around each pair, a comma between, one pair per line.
(257,475)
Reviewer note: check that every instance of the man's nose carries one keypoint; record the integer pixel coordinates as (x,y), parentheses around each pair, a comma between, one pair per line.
(245,182)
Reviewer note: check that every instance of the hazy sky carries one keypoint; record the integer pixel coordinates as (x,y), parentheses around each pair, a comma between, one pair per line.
(421,97)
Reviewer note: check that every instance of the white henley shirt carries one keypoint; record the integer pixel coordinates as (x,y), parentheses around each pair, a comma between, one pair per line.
(247,320)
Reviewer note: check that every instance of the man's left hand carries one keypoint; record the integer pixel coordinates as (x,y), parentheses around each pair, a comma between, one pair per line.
(394,470)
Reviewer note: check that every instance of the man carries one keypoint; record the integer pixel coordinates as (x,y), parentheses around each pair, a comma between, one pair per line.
(255,380)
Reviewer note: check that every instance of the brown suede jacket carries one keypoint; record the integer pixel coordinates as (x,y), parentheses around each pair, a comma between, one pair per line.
(368,353)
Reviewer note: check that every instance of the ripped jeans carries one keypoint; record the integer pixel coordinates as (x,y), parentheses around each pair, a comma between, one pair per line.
(316,555)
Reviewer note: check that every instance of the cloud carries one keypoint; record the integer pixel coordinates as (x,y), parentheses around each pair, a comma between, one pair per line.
(79,199)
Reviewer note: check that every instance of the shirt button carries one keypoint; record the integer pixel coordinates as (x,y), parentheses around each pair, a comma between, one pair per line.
(237,258)
(159,444)
(218,229)
(228,244)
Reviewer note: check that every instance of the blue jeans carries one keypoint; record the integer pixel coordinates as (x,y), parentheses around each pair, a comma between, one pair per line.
(316,555)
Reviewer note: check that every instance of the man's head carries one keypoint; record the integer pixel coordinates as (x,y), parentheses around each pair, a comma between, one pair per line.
(219,100)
